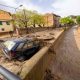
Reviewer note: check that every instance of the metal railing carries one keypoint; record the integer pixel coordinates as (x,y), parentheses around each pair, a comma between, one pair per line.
(7,74)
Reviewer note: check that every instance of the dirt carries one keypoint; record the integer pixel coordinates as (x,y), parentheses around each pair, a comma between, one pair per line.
(16,66)
(66,63)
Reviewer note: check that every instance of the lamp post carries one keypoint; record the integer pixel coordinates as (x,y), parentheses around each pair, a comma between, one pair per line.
(11,7)
(18,7)
(24,13)
(15,12)
(26,20)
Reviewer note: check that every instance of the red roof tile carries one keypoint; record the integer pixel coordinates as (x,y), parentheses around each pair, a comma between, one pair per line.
(5,15)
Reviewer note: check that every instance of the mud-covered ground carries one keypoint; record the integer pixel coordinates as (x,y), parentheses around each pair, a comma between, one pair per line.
(16,66)
(66,63)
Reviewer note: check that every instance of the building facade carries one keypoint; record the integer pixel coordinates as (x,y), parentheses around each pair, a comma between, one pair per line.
(5,21)
(51,20)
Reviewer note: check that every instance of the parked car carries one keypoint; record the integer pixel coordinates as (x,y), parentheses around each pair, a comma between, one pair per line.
(20,48)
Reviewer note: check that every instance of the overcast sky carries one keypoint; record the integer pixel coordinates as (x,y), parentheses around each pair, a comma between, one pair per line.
(60,7)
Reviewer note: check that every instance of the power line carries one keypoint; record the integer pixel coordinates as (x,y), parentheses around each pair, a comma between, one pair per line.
(7,6)
(11,7)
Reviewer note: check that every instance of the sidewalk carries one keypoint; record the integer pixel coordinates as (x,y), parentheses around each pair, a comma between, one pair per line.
(77,37)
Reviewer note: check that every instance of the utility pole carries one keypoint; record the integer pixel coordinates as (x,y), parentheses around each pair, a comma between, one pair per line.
(18,7)
(26,20)
(47,20)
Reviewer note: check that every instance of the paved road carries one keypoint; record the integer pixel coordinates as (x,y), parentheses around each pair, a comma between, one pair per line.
(66,64)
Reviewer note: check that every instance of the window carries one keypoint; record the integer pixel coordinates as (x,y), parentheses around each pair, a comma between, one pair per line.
(25,46)
(9,44)
(36,42)
(8,23)
(0,22)
(2,29)
(20,46)
(30,44)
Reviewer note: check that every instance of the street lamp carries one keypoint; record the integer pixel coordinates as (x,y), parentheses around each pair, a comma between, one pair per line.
(18,7)
(23,13)
(26,20)
(11,7)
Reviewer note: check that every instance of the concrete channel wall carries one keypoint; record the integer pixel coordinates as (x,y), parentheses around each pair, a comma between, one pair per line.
(37,66)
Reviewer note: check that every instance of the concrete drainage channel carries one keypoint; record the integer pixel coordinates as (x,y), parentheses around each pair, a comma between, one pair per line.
(37,67)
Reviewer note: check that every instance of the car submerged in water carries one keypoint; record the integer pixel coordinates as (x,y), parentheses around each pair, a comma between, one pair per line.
(20,49)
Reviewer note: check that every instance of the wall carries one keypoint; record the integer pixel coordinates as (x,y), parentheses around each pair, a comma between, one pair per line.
(4,17)
(37,66)
(51,20)
(33,30)
(6,27)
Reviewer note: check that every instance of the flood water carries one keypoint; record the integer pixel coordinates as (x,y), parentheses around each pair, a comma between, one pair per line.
(66,63)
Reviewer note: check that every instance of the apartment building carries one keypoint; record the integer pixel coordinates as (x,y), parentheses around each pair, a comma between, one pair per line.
(5,21)
(51,20)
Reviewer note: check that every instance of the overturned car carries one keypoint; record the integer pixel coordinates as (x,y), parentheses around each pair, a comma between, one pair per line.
(20,49)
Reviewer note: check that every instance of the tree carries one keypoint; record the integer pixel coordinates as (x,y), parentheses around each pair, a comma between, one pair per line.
(37,19)
(66,21)
(26,18)
(78,20)
(22,18)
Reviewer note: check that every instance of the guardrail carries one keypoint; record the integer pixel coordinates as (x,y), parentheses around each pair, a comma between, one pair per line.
(7,74)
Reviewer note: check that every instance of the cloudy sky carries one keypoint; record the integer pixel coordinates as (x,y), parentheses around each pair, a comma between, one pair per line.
(60,7)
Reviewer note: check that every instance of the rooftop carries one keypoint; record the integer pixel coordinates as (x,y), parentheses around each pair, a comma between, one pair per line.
(4,15)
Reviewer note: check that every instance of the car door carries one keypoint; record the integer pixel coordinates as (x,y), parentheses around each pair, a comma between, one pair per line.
(29,48)
(19,49)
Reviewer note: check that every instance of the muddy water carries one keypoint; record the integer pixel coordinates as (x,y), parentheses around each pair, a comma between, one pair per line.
(66,65)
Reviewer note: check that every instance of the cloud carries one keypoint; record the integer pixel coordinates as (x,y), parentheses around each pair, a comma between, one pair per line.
(30,6)
(67,7)
(11,3)
(40,0)
(61,7)
(8,2)
(15,3)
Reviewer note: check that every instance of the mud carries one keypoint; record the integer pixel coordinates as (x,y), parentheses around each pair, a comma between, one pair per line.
(66,65)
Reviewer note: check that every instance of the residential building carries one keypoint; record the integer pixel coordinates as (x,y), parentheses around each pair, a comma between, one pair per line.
(5,21)
(51,20)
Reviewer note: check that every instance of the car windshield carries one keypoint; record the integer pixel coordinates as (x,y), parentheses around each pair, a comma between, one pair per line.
(9,44)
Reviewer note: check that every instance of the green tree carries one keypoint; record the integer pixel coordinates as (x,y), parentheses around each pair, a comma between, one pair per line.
(22,17)
(66,21)
(78,20)
(26,18)
(37,19)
